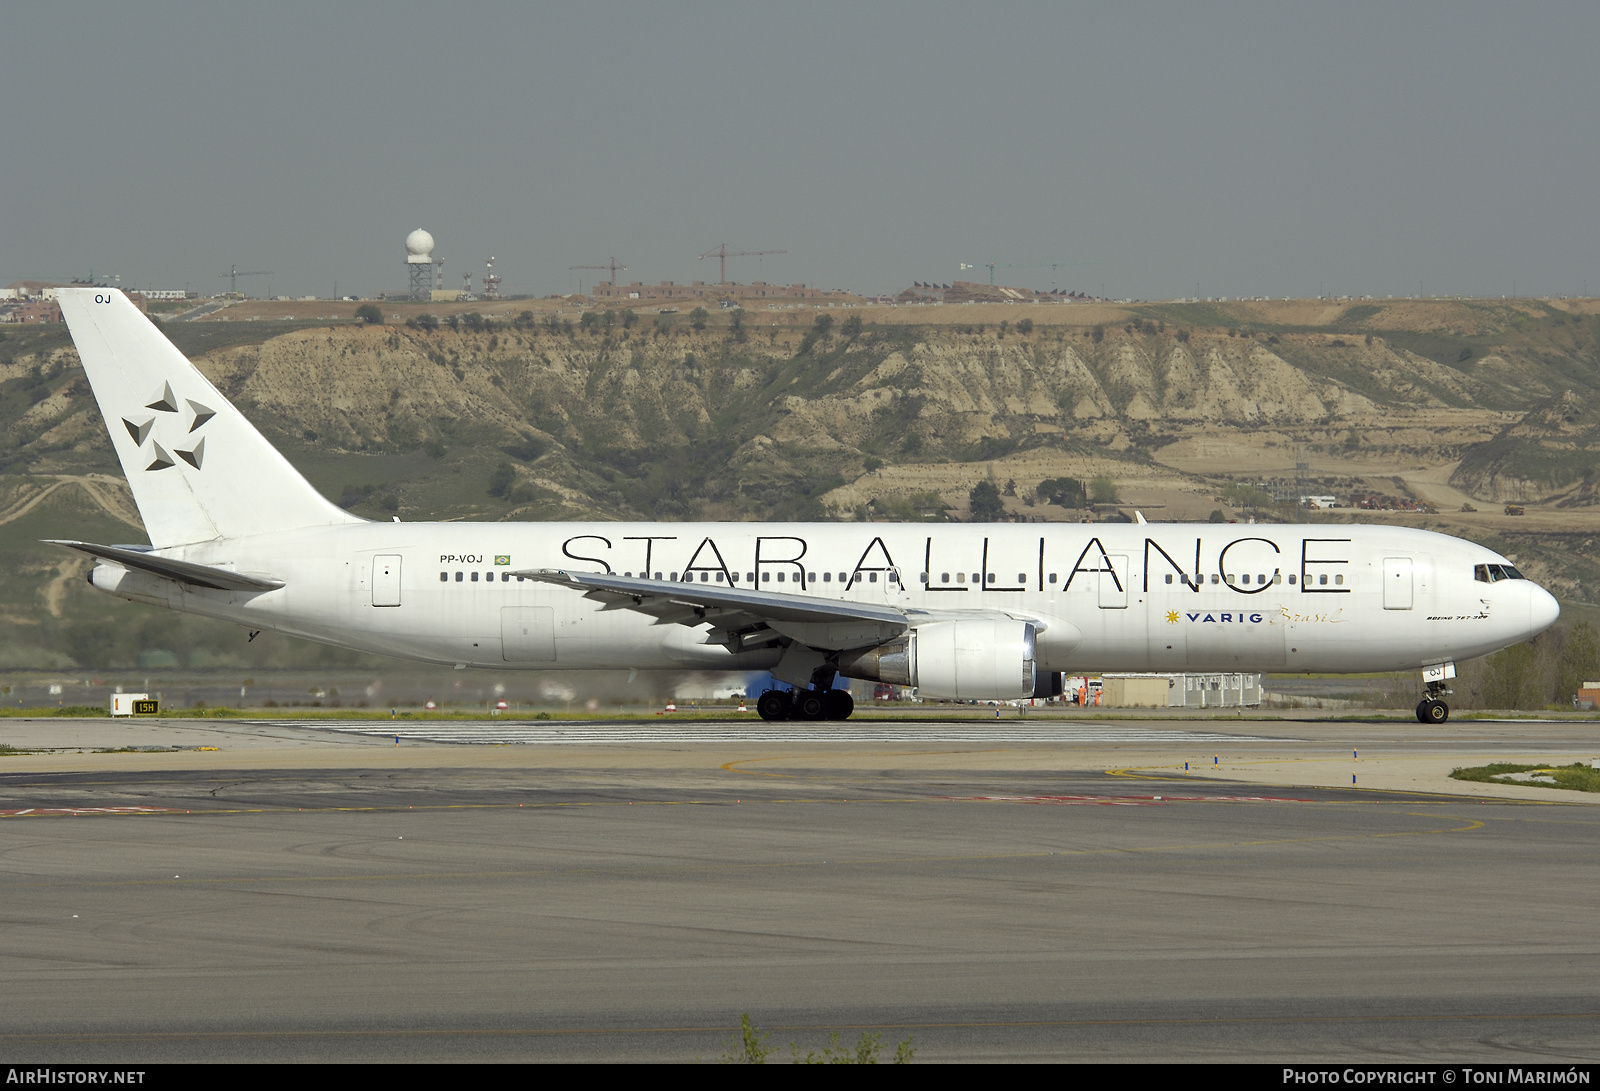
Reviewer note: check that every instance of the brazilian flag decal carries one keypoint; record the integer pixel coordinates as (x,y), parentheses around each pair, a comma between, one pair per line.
(502,558)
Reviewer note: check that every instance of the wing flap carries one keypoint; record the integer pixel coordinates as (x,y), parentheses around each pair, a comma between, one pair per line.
(741,618)
(816,622)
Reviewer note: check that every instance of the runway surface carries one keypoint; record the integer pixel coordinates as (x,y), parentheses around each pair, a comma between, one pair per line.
(994,893)
(632,732)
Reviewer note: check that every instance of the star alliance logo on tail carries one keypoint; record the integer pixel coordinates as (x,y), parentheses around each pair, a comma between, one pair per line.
(166,402)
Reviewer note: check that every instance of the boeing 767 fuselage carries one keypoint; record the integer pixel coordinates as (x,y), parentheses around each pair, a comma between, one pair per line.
(988,612)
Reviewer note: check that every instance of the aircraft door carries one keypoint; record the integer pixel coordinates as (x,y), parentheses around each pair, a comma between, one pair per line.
(386,580)
(868,585)
(1114,584)
(1397,583)
(528,634)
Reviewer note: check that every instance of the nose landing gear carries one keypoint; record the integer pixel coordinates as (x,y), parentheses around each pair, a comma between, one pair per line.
(1432,709)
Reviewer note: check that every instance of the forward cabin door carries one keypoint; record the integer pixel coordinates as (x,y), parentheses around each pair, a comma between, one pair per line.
(1397,583)
(386,580)
(1114,584)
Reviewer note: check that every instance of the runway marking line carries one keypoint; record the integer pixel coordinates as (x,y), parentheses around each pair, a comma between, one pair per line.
(634,733)
(1204,773)
(1471,825)
(157,812)
(552,1032)
(658,869)
(63,812)
(1123,801)
(729,766)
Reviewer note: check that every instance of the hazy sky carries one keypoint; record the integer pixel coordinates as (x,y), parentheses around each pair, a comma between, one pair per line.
(1159,150)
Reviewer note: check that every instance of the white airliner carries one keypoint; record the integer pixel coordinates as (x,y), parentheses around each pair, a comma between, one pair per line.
(977,611)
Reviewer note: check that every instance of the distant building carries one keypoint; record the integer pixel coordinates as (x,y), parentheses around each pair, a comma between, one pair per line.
(37,312)
(1136,691)
(968,291)
(1587,698)
(31,289)
(1182,690)
(759,291)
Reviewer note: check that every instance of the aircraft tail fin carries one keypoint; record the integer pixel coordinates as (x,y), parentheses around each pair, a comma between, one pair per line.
(198,469)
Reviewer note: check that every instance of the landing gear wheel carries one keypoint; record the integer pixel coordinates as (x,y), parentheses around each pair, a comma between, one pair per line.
(773,705)
(837,704)
(1432,711)
(808,705)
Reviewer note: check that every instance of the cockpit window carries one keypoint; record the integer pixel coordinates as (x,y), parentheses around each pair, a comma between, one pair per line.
(1494,573)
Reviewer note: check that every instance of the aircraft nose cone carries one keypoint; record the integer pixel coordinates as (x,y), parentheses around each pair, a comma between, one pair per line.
(1542,611)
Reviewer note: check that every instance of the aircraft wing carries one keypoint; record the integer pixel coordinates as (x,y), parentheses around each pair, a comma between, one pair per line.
(740,618)
(197,575)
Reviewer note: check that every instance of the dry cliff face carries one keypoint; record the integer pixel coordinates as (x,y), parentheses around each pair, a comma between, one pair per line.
(359,387)
(734,416)
(1552,452)
(898,394)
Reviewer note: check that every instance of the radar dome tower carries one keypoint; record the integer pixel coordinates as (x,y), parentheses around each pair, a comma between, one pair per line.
(419,263)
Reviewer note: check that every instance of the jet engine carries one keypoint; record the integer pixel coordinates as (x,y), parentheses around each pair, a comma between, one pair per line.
(978,659)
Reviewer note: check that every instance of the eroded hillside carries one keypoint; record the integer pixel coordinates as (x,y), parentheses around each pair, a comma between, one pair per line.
(538,417)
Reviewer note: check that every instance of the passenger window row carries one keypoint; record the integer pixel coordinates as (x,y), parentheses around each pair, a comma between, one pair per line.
(977,577)
(688,577)
(766,577)
(1261,579)
(1229,578)
(1483,573)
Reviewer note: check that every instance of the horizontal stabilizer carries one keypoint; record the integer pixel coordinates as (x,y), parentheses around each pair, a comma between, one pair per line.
(197,575)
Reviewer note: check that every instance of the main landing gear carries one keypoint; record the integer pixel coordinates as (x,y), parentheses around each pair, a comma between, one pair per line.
(1432,709)
(815,703)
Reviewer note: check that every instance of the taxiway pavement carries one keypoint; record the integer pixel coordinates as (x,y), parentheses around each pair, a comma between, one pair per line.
(994,891)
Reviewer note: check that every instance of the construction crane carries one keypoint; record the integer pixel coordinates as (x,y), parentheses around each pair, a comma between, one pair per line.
(233,274)
(1050,265)
(1054,265)
(614,265)
(989,265)
(722,254)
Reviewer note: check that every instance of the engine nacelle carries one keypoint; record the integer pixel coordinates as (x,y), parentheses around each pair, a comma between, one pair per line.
(135,586)
(1050,684)
(978,659)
